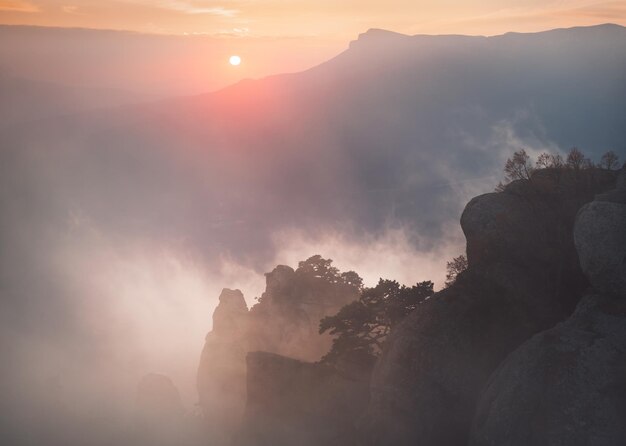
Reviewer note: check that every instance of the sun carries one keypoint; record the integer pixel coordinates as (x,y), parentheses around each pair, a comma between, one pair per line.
(234,60)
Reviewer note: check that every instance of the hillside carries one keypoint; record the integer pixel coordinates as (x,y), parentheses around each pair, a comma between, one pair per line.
(474,362)
(397,131)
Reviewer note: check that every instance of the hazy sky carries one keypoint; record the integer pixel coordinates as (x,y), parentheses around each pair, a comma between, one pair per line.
(271,36)
(324,18)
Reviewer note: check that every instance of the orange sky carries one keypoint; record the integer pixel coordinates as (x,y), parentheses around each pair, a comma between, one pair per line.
(272,36)
(331,19)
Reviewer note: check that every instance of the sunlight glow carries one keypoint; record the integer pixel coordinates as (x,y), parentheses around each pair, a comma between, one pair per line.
(234,60)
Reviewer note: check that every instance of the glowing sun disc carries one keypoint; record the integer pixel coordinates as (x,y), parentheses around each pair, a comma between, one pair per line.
(234,60)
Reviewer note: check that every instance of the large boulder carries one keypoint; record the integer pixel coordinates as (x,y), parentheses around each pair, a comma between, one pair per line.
(504,226)
(601,241)
(564,387)
(600,236)
(425,385)
(523,277)
(567,386)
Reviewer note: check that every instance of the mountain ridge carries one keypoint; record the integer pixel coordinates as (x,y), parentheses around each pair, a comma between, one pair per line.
(373,35)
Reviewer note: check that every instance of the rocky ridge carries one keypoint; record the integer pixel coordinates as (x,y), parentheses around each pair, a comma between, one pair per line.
(285,321)
(567,386)
(523,278)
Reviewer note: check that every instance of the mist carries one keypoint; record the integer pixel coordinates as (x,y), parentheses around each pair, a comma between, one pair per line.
(124,215)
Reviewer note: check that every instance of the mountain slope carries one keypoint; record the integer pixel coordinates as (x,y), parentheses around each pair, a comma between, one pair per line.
(394,131)
(27,101)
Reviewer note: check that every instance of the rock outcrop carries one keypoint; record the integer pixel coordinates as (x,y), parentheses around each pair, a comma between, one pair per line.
(230,316)
(285,321)
(567,385)
(221,374)
(523,278)
(291,402)
(564,387)
(600,235)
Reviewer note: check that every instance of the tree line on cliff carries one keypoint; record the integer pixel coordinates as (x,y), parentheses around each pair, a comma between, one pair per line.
(361,327)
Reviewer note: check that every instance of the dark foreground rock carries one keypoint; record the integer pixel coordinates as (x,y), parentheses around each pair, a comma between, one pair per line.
(564,387)
(523,278)
(426,384)
(601,241)
(567,386)
(292,402)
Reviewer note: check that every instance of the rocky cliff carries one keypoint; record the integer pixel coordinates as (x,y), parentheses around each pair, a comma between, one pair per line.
(221,374)
(285,321)
(567,385)
(488,360)
(523,278)
(292,402)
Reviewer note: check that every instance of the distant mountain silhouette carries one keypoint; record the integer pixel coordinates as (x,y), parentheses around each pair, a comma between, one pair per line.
(396,130)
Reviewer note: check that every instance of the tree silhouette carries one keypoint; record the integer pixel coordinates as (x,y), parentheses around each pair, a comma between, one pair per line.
(576,160)
(318,282)
(549,160)
(518,167)
(317,266)
(455,267)
(362,326)
(609,160)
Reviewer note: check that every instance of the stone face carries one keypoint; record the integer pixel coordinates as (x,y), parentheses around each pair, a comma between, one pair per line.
(292,402)
(564,387)
(426,384)
(284,321)
(567,385)
(523,277)
(221,375)
(600,235)
(280,281)
(501,225)
(230,316)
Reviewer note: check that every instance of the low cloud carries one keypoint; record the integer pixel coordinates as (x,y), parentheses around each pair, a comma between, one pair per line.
(392,254)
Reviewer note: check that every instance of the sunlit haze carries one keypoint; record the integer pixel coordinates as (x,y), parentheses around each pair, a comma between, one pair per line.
(312,222)
(275,37)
